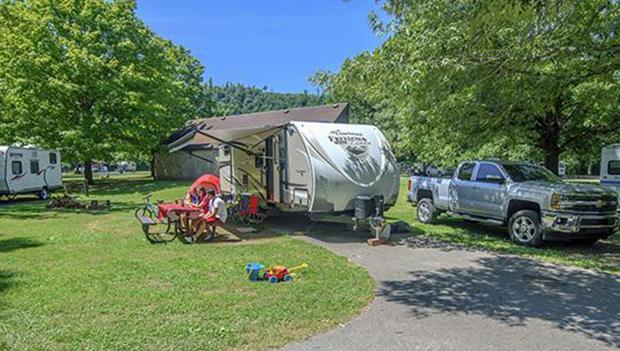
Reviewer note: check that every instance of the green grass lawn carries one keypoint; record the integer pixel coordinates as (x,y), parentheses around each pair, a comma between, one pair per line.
(603,256)
(76,280)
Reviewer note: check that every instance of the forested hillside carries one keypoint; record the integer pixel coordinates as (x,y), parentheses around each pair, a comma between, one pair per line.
(232,99)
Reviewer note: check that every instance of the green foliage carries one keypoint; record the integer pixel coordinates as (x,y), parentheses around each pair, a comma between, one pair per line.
(89,78)
(232,99)
(467,78)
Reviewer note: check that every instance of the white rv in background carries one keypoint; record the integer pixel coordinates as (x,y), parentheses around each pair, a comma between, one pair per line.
(610,168)
(26,170)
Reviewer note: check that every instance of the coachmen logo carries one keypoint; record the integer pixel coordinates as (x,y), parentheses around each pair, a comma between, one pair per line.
(355,144)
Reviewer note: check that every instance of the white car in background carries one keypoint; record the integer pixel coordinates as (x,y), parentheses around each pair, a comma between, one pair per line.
(126,166)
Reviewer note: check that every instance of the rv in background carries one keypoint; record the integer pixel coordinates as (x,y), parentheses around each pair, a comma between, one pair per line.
(610,167)
(26,170)
(561,169)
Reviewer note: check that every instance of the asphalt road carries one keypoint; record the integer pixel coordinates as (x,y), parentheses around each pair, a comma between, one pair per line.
(432,296)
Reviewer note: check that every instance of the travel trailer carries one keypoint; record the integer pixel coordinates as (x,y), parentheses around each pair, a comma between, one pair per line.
(26,170)
(610,167)
(314,167)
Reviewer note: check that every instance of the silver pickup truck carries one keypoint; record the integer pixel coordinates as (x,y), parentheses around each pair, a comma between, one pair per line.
(533,202)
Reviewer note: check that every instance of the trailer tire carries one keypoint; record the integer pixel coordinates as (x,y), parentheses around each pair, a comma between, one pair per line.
(426,211)
(525,228)
(43,194)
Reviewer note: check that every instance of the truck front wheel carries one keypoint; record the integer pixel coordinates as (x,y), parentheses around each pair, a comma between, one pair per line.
(426,211)
(525,228)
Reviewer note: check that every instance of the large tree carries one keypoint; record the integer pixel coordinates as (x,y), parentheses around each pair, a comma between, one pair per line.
(471,78)
(89,78)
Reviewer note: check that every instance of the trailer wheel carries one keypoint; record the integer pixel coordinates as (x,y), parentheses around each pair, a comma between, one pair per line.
(426,211)
(43,194)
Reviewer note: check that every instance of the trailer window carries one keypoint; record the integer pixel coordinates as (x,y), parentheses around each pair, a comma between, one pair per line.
(34,166)
(53,158)
(466,171)
(613,167)
(16,166)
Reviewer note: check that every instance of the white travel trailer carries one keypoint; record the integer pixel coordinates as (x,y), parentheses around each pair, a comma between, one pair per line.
(26,170)
(610,167)
(314,167)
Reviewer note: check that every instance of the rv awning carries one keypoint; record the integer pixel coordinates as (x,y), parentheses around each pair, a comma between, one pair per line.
(243,138)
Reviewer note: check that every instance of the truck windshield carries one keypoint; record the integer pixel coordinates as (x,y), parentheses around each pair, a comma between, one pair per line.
(527,172)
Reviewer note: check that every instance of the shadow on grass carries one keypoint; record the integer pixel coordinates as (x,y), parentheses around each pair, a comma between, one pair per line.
(124,186)
(471,233)
(12,244)
(6,280)
(25,199)
(38,211)
(513,290)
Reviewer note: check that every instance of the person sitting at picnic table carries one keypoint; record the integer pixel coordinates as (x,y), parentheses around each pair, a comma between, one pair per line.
(202,200)
(217,209)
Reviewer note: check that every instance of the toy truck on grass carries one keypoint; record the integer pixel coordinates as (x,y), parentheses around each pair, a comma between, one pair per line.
(273,274)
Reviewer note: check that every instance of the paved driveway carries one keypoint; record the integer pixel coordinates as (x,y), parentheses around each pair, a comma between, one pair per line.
(435,297)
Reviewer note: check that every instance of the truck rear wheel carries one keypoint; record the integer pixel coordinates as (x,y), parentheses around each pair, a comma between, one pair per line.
(426,211)
(525,228)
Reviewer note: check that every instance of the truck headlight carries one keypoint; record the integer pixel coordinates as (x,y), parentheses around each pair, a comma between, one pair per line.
(555,201)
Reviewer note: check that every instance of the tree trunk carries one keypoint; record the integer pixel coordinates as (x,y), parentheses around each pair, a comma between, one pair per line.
(552,159)
(550,136)
(152,164)
(88,172)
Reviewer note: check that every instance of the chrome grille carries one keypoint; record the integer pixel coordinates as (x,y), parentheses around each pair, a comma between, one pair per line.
(589,203)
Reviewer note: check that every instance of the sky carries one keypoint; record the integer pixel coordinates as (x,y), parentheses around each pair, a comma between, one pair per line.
(273,43)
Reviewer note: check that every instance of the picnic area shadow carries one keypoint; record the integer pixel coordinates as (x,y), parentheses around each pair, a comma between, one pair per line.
(6,280)
(20,200)
(12,244)
(143,186)
(39,210)
(513,290)
(606,247)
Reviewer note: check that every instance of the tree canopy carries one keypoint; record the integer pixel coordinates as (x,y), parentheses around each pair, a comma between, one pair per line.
(232,99)
(91,79)
(468,78)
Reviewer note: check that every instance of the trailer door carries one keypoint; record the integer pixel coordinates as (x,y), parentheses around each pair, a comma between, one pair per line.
(269,168)
(298,174)
(17,172)
(3,172)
